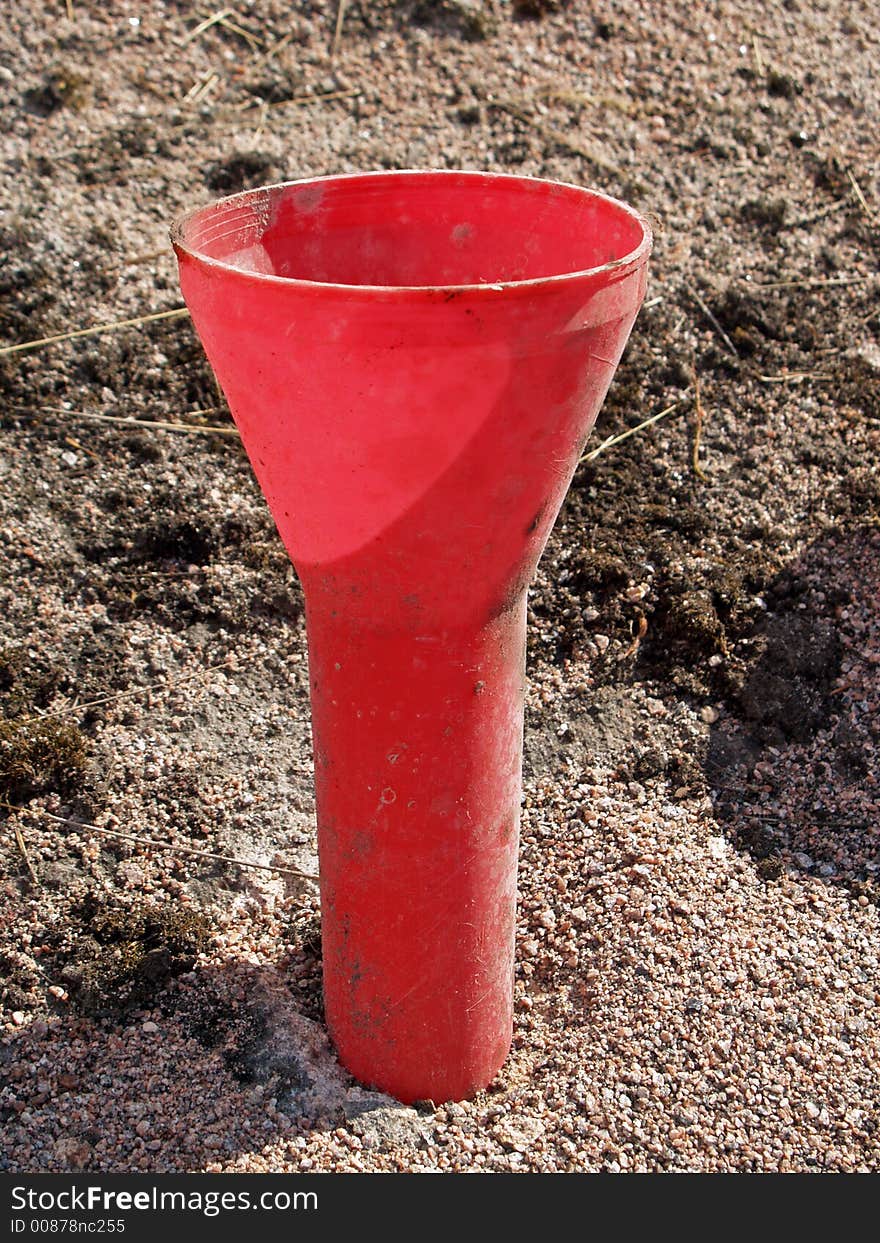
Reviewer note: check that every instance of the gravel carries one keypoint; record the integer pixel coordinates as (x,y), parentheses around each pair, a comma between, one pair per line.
(697,959)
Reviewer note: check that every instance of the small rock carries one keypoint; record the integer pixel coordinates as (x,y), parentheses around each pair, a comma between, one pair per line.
(18,1017)
(382,1122)
(149,1027)
(867,354)
(783,85)
(475,20)
(803,860)
(72,1151)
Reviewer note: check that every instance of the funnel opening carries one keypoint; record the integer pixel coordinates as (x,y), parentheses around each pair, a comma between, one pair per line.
(406,232)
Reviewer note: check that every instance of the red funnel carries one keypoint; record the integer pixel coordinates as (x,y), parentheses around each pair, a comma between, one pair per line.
(414,361)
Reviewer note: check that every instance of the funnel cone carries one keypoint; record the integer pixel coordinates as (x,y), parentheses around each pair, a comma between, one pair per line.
(414,361)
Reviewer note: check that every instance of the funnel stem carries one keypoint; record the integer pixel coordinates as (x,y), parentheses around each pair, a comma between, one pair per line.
(418,756)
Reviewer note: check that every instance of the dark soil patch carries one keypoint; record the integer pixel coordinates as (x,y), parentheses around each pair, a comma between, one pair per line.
(116,957)
(645,557)
(471,20)
(216,1009)
(790,737)
(242,171)
(304,964)
(20,981)
(221,1022)
(27,288)
(786,688)
(61,87)
(186,570)
(534,10)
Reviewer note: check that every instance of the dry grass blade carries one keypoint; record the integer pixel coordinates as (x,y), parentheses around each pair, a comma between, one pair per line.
(857,191)
(807,282)
(300,100)
(208,22)
(233,27)
(133,260)
(342,5)
(19,841)
(152,843)
(578,99)
(276,47)
(616,440)
(75,444)
(136,322)
(76,709)
(202,87)
(795,377)
(69,7)
(710,316)
(699,416)
(191,429)
(640,633)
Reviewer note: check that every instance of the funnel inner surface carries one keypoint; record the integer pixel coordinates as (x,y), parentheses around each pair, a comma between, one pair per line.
(411,230)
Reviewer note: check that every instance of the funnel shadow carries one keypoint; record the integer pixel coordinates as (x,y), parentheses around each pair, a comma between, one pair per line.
(791,767)
(274,1043)
(239,1033)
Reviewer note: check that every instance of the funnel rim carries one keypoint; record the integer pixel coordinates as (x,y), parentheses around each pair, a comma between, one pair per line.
(626,263)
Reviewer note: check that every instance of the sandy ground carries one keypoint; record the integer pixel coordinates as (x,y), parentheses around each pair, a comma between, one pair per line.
(697,982)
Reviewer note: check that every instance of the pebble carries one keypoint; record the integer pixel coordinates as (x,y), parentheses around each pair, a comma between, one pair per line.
(71,1152)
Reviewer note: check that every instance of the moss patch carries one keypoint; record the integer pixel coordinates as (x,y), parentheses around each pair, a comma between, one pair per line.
(37,756)
(124,956)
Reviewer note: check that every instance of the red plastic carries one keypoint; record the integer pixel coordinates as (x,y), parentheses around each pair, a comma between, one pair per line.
(414,361)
